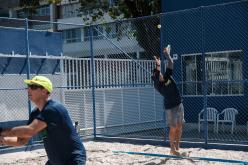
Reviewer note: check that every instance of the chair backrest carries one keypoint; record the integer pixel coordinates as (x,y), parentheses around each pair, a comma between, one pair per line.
(230,113)
(212,113)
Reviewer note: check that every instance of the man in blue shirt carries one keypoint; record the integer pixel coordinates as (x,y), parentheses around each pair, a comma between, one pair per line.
(166,86)
(50,118)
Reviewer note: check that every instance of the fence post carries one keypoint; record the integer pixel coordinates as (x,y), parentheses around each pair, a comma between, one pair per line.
(27,58)
(162,30)
(204,81)
(93,78)
(28,63)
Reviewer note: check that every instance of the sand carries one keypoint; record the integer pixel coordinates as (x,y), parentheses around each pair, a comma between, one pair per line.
(101,153)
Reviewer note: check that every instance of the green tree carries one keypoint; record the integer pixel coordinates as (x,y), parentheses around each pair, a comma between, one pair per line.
(148,35)
(146,31)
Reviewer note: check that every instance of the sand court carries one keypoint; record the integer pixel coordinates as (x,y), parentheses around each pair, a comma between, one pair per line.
(104,153)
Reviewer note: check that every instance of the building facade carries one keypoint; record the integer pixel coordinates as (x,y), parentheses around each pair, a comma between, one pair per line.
(76,39)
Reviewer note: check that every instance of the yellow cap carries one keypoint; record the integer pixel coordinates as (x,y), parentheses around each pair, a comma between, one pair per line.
(42,81)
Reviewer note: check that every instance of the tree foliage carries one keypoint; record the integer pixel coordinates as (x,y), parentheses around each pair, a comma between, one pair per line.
(146,29)
(119,9)
(139,8)
(29,3)
(92,11)
(146,33)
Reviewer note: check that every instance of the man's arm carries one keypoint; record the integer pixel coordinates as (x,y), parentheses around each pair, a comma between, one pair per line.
(168,57)
(157,62)
(27,131)
(158,67)
(13,141)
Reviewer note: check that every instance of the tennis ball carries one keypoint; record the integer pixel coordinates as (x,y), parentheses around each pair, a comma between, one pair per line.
(158,26)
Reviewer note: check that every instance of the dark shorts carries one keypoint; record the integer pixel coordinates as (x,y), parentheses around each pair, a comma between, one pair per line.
(73,162)
(175,115)
(76,160)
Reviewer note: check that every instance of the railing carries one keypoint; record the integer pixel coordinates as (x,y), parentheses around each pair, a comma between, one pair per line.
(109,73)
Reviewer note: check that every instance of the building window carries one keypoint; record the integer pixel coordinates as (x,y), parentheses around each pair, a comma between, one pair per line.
(223,73)
(97,33)
(21,13)
(72,35)
(191,69)
(42,11)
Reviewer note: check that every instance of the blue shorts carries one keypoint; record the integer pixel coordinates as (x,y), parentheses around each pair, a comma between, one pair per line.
(75,160)
(175,115)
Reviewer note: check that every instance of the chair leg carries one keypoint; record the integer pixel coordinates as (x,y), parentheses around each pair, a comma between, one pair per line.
(247,127)
(199,126)
(217,127)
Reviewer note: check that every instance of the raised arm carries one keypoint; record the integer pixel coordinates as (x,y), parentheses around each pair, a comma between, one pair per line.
(166,52)
(158,66)
(157,62)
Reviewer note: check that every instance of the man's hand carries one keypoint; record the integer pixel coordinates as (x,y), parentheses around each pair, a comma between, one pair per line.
(25,131)
(13,141)
(157,60)
(166,50)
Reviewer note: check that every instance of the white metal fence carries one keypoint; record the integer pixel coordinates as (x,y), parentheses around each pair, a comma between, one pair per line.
(118,110)
(112,73)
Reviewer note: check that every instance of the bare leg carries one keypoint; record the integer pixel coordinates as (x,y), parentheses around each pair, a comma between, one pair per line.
(172,141)
(178,135)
